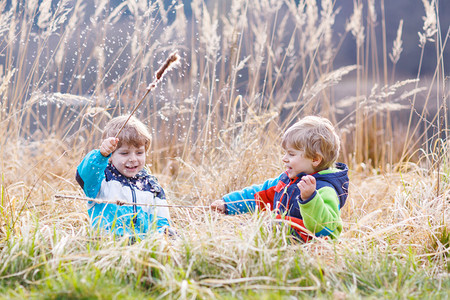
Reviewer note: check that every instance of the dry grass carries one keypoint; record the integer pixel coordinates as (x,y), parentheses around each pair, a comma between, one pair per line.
(245,76)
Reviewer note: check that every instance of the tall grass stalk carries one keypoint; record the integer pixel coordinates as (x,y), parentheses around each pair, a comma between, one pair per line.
(250,69)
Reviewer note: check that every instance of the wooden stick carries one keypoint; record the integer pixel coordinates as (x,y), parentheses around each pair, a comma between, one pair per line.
(168,64)
(120,202)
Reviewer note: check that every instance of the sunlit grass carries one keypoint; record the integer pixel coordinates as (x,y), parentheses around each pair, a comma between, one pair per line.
(245,76)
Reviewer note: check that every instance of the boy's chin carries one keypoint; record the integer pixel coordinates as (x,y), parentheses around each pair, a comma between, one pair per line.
(130,173)
(290,174)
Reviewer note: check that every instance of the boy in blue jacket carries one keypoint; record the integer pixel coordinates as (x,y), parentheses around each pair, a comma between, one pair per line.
(312,190)
(116,172)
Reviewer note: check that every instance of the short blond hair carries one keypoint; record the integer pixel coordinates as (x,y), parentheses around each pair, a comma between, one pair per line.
(134,133)
(315,136)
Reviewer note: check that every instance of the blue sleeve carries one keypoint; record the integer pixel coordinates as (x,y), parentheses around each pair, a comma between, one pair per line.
(243,201)
(91,172)
(161,224)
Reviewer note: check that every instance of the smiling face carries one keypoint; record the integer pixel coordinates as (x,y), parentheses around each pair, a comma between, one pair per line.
(296,162)
(128,159)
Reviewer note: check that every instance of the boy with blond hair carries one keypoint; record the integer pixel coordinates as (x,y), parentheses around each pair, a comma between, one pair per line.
(116,172)
(312,190)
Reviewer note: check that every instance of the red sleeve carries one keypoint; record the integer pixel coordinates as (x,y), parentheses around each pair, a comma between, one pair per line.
(264,199)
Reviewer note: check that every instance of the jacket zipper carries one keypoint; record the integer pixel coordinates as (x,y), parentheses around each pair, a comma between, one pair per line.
(133,195)
(286,209)
(281,198)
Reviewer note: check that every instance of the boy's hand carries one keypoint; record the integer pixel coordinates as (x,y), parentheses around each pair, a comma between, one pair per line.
(307,186)
(218,205)
(108,146)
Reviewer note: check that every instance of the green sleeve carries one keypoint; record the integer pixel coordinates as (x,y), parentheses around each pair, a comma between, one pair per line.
(321,214)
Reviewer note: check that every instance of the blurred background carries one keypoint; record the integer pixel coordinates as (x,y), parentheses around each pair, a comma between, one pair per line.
(377,69)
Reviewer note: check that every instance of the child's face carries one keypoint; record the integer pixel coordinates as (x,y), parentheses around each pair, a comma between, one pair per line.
(128,159)
(296,162)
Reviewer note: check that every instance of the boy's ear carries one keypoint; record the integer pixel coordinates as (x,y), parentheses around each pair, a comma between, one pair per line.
(317,160)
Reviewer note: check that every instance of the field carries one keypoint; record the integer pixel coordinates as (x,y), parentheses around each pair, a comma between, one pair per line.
(248,70)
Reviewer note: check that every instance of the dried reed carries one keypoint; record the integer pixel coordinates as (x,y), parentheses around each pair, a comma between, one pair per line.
(248,75)
(121,202)
(168,64)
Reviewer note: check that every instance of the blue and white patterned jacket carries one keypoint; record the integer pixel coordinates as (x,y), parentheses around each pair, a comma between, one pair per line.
(100,180)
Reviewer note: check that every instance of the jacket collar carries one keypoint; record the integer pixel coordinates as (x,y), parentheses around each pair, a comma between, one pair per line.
(340,166)
(112,173)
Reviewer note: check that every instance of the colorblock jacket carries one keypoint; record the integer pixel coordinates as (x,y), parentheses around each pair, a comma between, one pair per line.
(320,214)
(100,180)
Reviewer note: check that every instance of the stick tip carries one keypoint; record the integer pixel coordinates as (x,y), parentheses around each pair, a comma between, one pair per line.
(168,64)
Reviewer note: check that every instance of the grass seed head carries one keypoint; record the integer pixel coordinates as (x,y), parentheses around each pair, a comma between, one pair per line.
(170,62)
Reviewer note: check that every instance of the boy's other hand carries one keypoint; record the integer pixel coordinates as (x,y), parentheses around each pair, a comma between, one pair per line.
(218,205)
(307,187)
(108,146)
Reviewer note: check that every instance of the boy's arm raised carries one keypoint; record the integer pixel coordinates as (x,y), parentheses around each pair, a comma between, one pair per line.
(91,172)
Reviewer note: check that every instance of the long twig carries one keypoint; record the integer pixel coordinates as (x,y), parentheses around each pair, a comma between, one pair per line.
(121,202)
(168,64)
